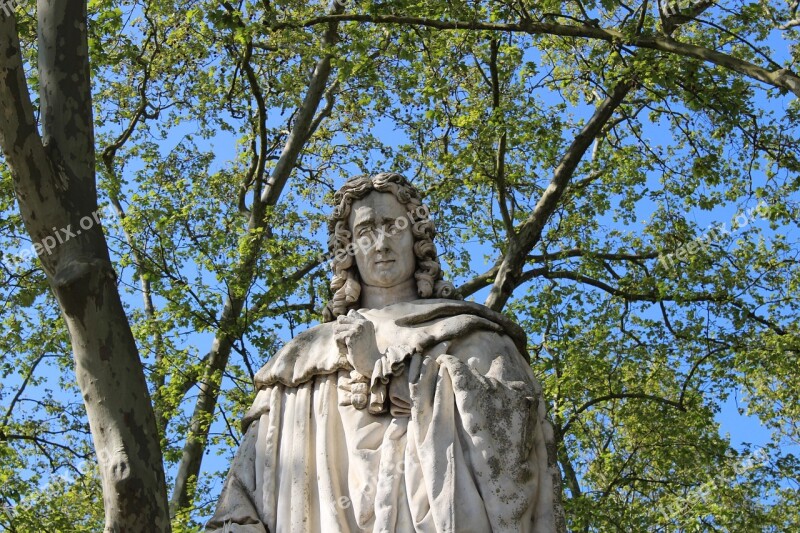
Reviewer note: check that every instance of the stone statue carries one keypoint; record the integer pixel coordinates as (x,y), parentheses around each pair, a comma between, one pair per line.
(400,413)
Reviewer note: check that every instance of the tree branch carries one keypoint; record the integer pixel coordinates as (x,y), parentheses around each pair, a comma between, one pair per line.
(108,156)
(305,117)
(263,301)
(487,278)
(54,180)
(782,78)
(19,136)
(530,231)
(480,281)
(242,276)
(619,396)
(22,387)
(500,156)
(576,252)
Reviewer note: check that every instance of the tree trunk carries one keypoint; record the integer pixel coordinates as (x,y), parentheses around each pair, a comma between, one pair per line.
(54,181)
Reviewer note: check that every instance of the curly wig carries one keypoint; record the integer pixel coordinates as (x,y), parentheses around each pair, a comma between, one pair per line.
(346,284)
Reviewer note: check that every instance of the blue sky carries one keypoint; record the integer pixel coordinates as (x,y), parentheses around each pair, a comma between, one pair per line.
(741,428)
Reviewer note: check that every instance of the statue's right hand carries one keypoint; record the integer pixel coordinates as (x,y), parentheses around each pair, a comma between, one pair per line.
(355,336)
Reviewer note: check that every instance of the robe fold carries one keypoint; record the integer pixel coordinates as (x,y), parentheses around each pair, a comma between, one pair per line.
(454,438)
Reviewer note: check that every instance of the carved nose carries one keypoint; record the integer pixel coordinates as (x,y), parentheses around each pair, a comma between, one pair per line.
(380,241)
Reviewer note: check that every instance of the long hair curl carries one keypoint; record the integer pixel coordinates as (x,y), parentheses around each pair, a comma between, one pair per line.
(345,283)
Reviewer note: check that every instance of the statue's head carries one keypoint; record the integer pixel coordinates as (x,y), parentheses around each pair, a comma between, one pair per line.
(381,234)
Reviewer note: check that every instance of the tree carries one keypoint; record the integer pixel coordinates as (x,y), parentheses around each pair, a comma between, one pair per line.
(628,170)
(52,163)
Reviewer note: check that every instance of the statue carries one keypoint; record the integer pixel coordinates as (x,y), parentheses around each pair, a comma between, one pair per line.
(400,413)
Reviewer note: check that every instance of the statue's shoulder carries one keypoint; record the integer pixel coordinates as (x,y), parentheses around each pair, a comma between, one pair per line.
(429,310)
(313,335)
(309,353)
(314,351)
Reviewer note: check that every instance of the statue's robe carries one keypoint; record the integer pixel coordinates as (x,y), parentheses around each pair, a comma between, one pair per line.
(462,444)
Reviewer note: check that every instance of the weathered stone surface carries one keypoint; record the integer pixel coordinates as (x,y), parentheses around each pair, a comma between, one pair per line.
(403,413)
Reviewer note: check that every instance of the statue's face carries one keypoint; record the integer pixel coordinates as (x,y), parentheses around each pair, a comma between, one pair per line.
(385,252)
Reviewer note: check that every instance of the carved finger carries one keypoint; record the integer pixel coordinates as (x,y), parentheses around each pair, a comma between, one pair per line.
(343,384)
(356,315)
(422,395)
(339,328)
(345,399)
(343,336)
(342,319)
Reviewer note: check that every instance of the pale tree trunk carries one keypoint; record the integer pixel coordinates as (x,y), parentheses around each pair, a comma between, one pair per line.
(54,181)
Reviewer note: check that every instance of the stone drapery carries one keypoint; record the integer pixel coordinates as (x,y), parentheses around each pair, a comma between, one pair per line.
(461,444)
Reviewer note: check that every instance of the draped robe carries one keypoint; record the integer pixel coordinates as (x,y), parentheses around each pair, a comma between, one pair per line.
(453,438)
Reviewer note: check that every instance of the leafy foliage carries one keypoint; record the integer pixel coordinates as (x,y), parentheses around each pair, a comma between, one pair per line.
(664,283)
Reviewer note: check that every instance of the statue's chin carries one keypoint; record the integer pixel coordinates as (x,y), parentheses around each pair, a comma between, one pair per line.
(388,278)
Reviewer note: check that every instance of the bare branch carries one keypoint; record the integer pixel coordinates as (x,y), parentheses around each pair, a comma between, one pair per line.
(22,387)
(576,252)
(487,278)
(619,396)
(500,157)
(480,281)
(39,442)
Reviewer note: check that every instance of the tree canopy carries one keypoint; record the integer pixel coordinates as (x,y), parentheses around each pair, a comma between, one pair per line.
(620,178)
